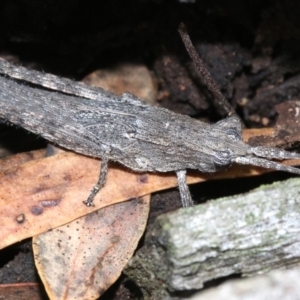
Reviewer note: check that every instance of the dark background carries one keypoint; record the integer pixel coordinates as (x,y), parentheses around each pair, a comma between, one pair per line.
(250,47)
(247,45)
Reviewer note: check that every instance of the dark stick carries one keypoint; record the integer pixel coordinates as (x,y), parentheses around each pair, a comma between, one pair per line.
(205,75)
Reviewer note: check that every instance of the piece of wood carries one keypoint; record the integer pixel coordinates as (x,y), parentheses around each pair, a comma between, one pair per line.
(245,235)
(276,285)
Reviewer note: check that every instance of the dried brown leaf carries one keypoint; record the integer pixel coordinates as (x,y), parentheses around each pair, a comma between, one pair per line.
(9,162)
(82,259)
(127,77)
(47,193)
(21,291)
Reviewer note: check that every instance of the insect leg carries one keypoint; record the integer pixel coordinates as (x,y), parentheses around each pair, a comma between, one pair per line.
(101,181)
(185,194)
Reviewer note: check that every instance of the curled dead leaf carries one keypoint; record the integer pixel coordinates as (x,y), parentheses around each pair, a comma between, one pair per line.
(82,259)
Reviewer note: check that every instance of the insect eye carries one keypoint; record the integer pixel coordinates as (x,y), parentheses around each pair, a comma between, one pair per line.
(222,158)
(233,133)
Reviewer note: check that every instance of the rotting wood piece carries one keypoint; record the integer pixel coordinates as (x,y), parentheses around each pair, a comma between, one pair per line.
(245,235)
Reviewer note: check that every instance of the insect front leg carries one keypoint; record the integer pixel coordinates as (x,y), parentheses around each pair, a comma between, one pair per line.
(185,195)
(101,181)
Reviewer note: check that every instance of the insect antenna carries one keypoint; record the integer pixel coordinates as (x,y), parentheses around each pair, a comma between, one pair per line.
(274,153)
(264,163)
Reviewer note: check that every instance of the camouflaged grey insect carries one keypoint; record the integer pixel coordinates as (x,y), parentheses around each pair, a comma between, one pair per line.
(97,123)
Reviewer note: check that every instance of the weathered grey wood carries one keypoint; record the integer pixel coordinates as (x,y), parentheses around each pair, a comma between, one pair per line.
(247,234)
(276,285)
